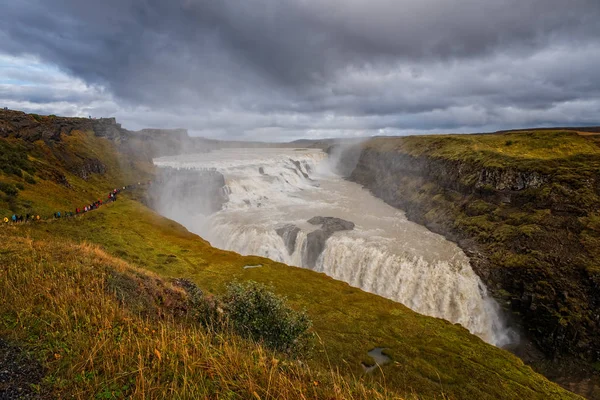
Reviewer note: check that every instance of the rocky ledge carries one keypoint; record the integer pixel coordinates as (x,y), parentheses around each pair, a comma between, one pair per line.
(315,241)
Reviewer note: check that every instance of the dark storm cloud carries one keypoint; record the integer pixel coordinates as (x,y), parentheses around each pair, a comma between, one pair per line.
(247,67)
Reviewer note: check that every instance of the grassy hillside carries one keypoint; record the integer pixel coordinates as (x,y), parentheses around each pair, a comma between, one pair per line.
(63,311)
(430,356)
(43,177)
(58,307)
(525,206)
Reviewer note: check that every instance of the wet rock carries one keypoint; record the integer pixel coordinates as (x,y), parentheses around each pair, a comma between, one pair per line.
(299,168)
(289,234)
(315,241)
(332,224)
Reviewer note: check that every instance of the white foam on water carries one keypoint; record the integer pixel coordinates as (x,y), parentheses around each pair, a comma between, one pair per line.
(385,254)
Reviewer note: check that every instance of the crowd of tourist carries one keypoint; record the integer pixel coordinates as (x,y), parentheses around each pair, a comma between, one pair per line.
(32,217)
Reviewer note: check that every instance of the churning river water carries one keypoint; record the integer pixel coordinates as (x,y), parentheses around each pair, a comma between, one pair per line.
(384,254)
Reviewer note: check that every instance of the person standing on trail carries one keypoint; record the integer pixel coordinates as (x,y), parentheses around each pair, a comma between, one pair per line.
(58,214)
(37,217)
(14,218)
(6,220)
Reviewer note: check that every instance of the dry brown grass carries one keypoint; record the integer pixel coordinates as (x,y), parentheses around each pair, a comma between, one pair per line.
(93,346)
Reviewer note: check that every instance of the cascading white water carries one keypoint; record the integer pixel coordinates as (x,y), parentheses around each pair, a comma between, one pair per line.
(384,254)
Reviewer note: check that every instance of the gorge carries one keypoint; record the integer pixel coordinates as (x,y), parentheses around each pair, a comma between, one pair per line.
(272,204)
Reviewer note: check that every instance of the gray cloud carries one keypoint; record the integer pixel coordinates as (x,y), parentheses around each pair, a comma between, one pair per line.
(273,69)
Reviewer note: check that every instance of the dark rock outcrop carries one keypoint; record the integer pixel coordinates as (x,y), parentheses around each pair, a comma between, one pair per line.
(299,168)
(89,167)
(331,224)
(32,127)
(315,241)
(289,234)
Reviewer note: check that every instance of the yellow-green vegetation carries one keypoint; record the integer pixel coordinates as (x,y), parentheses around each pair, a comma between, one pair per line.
(92,299)
(54,176)
(63,311)
(494,149)
(523,204)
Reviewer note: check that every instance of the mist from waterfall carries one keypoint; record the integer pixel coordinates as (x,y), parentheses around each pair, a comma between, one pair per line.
(384,254)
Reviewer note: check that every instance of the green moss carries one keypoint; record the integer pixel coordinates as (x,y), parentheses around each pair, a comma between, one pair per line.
(479,207)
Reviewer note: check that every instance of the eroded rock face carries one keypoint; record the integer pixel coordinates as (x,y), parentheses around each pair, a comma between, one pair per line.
(315,241)
(31,127)
(331,224)
(289,234)
(89,167)
(509,179)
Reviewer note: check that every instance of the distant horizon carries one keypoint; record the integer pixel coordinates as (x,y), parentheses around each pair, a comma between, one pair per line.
(591,128)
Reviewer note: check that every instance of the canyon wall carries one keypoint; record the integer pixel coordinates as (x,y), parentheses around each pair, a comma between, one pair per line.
(530,227)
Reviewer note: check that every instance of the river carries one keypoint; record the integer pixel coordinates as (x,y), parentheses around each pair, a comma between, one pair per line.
(384,254)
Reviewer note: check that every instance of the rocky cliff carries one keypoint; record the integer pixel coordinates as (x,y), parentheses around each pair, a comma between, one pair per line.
(527,217)
(148,143)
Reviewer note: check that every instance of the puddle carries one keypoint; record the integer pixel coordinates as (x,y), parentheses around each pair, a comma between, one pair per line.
(252,266)
(380,359)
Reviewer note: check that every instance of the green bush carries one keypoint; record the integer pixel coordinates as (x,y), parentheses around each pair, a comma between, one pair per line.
(14,160)
(29,179)
(256,312)
(9,189)
(203,308)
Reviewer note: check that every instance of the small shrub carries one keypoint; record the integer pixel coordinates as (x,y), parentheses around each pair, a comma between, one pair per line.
(256,312)
(508,143)
(204,309)
(9,189)
(20,186)
(14,159)
(29,179)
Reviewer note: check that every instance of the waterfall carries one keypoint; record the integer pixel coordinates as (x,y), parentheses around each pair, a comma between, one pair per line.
(279,190)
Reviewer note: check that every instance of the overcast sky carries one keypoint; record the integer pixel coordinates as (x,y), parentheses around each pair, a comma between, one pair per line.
(286,69)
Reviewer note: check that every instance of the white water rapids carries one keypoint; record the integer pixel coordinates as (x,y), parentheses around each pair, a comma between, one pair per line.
(385,254)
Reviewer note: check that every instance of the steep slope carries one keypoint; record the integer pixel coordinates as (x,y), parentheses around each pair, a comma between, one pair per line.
(96,327)
(523,205)
(54,304)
